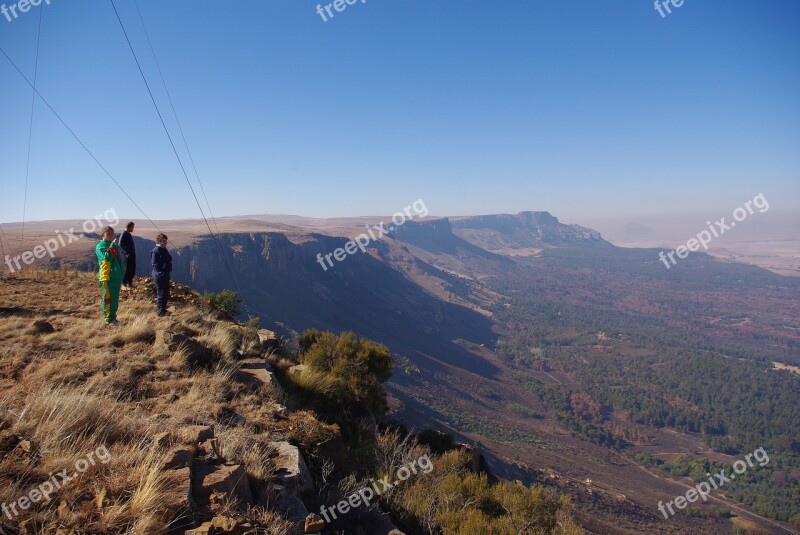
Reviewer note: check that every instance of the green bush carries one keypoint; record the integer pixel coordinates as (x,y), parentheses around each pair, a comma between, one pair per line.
(356,367)
(226,301)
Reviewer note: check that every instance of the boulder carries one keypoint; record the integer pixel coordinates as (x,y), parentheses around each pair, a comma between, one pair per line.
(314,524)
(277,498)
(230,480)
(177,457)
(178,500)
(194,434)
(257,371)
(292,470)
(196,353)
(8,441)
(41,327)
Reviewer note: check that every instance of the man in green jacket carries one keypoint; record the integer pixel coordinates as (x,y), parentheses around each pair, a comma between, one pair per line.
(110,274)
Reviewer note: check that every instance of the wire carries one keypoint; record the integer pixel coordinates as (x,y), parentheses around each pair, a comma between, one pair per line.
(81,143)
(30,125)
(175,150)
(175,114)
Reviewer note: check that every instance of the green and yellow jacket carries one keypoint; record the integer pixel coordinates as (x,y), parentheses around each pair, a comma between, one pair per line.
(110,266)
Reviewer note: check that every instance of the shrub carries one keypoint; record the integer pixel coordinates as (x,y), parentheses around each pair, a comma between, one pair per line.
(356,368)
(226,301)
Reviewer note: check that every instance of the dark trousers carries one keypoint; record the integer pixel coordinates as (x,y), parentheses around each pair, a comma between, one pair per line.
(162,293)
(130,270)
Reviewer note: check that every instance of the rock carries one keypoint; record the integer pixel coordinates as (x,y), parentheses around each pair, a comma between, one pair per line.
(194,434)
(314,524)
(257,371)
(162,440)
(297,368)
(279,410)
(292,469)
(205,529)
(226,525)
(41,327)
(278,498)
(396,532)
(196,353)
(178,500)
(227,479)
(230,417)
(8,441)
(177,457)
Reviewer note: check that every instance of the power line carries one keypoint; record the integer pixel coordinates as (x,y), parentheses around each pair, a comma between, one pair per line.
(74,135)
(30,125)
(175,150)
(175,114)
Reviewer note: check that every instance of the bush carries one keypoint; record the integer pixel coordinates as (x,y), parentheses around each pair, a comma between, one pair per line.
(226,301)
(356,367)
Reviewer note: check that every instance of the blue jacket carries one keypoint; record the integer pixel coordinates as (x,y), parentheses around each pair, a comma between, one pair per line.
(162,262)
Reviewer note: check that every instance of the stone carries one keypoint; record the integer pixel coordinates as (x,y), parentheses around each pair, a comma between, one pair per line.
(220,478)
(279,410)
(297,368)
(278,498)
(196,353)
(314,524)
(162,440)
(177,457)
(257,371)
(8,441)
(41,327)
(194,434)
(205,529)
(178,500)
(292,470)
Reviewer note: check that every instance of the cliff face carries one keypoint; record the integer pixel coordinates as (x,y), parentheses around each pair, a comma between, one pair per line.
(282,281)
(511,234)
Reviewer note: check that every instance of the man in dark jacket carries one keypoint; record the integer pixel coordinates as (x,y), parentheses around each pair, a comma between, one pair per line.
(161,261)
(126,244)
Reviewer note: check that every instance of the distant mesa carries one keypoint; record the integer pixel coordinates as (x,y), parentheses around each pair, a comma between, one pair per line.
(526,231)
(637,231)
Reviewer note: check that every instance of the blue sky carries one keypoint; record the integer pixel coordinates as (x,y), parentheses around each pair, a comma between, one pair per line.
(583,108)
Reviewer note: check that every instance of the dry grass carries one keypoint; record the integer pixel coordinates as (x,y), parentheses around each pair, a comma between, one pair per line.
(83,386)
(312,380)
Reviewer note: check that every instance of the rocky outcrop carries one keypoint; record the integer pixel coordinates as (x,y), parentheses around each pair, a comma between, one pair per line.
(292,470)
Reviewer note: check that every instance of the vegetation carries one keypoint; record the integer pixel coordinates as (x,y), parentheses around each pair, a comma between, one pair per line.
(226,302)
(449,498)
(682,352)
(347,369)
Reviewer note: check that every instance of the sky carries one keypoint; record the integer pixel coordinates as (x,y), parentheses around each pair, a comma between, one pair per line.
(584,108)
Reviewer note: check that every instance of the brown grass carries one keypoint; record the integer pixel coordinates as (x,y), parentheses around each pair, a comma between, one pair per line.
(85,386)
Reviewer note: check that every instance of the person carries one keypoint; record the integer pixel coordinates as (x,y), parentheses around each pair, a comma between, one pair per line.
(127,246)
(162,267)
(110,274)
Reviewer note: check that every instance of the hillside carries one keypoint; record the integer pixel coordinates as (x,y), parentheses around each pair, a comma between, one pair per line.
(195,424)
(563,356)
